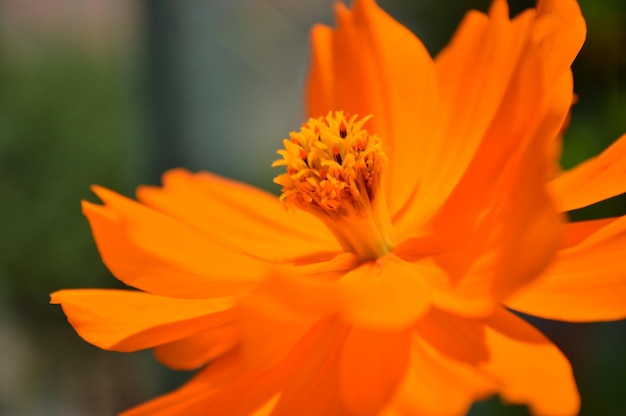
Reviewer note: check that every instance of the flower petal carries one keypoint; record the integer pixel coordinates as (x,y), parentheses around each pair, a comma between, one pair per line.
(434,385)
(271,329)
(531,229)
(321,81)
(456,361)
(195,396)
(530,369)
(196,350)
(387,294)
(503,248)
(487,88)
(156,253)
(373,364)
(371,64)
(474,73)
(442,379)
(139,320)
(562,28)
(594,180)
(499,227)
(239,216)
(307,378)
(306,382)
(455,285)
(586,281)
(284,307)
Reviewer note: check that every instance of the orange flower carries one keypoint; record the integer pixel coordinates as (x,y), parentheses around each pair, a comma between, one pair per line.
(384,288)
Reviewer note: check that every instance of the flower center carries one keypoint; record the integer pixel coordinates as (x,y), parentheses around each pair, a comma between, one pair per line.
(334,169)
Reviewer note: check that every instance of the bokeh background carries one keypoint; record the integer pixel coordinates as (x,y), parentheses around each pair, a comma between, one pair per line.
(115,92)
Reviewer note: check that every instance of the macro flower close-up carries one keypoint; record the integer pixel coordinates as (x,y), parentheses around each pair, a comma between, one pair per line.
(422,212)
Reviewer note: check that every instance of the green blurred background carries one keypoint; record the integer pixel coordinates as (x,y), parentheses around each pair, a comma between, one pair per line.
(115,92)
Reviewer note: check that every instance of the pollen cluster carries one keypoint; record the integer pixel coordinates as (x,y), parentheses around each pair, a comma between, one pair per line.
(333,166)
(333,171)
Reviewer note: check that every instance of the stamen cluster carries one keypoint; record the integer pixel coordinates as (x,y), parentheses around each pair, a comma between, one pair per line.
(333,166)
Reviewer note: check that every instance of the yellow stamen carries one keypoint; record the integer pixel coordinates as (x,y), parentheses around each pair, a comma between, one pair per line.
(334,169)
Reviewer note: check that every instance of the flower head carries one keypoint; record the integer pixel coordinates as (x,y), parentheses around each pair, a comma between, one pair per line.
(423,203)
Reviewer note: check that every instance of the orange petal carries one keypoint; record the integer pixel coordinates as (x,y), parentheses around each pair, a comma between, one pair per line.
(307,379)
(443,379)
(455,286)
(530,369)
(531,228)
(560,32)
(576,232)
(192,352)
(283,308)
(586,281)
(271,330)
(457,361)
(304,295)
(508,247)
(436,386)
(372,366)
(239,216)
(194,398)
(499,79)
(388,294)
(562,29)
(500,221)
(122,320)
(329,269)
(321,78)
(306,382)
(474,72)
(457,338)
(156,253)
(190,399)
(597,179)
(371,64)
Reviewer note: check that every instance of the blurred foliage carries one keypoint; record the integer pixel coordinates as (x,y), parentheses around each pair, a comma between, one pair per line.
(63,126)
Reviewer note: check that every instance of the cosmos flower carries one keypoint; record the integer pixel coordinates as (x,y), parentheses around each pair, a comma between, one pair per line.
(421,202)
